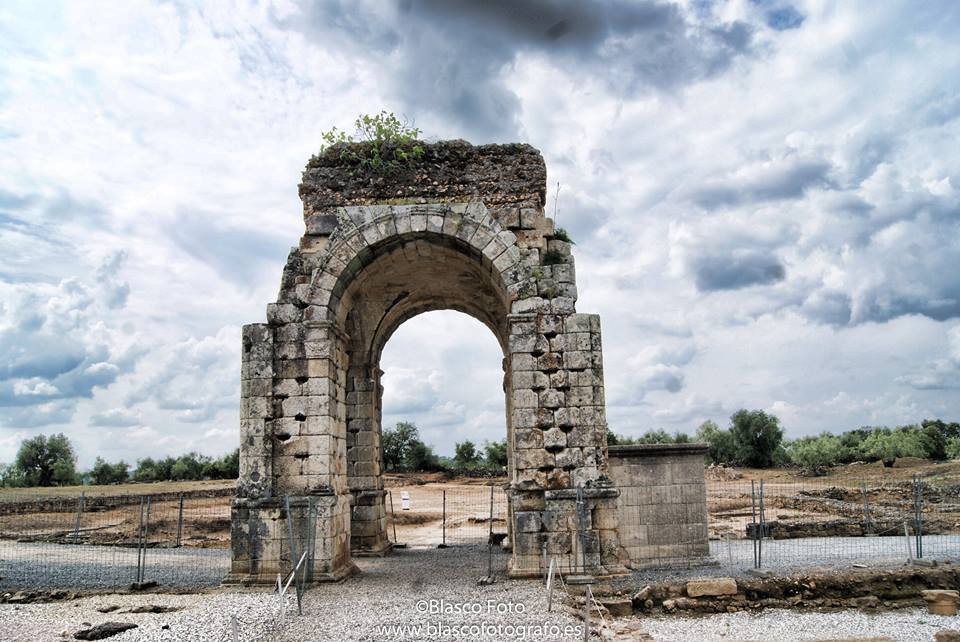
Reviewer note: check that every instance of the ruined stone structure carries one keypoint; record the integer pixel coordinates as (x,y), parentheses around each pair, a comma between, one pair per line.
(663,503)
(461,228)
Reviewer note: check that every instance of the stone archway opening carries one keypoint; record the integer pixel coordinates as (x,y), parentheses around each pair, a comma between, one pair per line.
(443,372)
(408,275)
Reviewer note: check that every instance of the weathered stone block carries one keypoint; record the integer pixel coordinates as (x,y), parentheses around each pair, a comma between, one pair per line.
(534,458)
(527,438)
(528,521)
(554,438)
(712,587)
(551,399)
(525,399)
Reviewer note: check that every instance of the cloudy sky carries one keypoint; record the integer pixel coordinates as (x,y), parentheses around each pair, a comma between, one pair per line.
(765,197)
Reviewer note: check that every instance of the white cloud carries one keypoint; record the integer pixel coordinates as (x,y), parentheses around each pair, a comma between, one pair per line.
(764,204)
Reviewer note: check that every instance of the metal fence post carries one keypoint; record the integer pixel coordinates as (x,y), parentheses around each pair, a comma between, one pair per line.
(146,541)
(393,517)
(309,540)
(293,551)
(543,554)
(586,615)
(76,525)
(139,540)
(582,521)
(180,521)
(906,538)
(490,537)
(763,527)
(867,521)
(918,515)
(443,543)
(753,519)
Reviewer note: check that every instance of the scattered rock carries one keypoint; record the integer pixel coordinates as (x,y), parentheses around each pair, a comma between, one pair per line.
(105,630)
(143,586)
(643,594)
(151,608)
(618,607)
(711,587)
(109,608)
(867,602)
(940,601)
(947,635)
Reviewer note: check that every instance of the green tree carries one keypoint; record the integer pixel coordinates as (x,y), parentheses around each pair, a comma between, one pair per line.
(887,445)
(10,476)
(104,472)
(655,437)
(496,454)
(465,454)
(953,448)
(720,441)
(45,461)
(226,467)
(613,439)
(756,438)
(420,457)
(815,454)
(188,467)
(146,470)
(396,443)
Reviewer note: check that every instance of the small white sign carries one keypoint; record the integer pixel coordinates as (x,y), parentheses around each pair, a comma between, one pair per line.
(404,500)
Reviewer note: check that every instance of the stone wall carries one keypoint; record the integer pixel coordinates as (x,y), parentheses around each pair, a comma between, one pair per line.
(663,501)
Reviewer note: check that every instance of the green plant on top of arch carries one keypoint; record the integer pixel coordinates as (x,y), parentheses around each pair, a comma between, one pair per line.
(381,143)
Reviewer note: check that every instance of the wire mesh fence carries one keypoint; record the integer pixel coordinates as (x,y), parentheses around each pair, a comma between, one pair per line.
(793,525)
(449,516)
(109,541)
(182,540)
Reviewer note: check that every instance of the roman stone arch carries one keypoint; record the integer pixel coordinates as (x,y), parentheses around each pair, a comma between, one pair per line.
(463,229)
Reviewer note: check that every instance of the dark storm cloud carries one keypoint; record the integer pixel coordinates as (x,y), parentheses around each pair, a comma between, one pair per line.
(447,57)
(784,180)
(779,15)
(236,254)
(734,270)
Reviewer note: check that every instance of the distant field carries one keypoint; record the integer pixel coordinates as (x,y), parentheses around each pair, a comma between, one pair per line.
(10,494)
(852,474)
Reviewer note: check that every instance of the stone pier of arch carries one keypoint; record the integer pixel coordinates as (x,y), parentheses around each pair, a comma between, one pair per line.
(462,228)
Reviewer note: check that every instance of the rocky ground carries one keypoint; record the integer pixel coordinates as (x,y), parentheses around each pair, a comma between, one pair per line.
(437,590)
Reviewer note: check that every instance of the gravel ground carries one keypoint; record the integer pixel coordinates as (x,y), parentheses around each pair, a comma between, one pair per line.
(395,590)
(912,625)
(398,590)
(92,567)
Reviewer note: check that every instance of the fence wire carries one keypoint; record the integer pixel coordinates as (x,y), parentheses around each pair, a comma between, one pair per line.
(110,541)
(182,540)
(450,516)
(815,523)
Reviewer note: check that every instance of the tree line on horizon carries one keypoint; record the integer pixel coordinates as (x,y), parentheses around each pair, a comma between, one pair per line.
(52,461)
(404,451)
(754,439)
